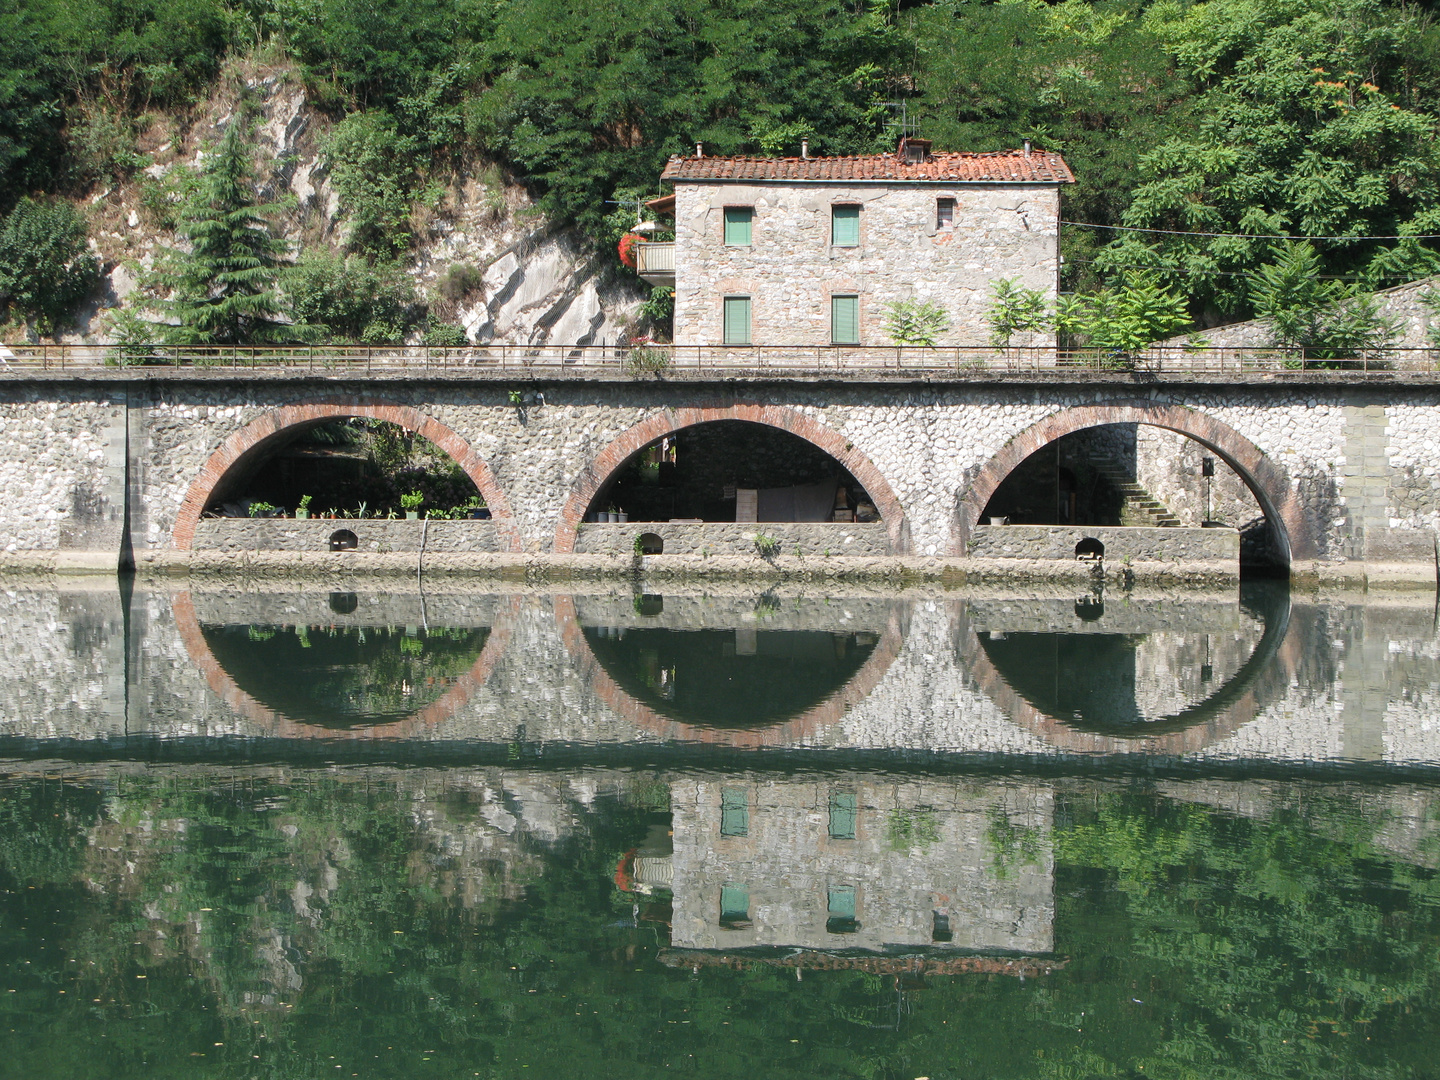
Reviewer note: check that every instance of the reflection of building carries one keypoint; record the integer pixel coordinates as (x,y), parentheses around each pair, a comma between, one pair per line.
(856,864)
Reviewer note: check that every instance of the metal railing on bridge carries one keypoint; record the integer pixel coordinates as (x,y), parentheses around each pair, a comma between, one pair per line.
(689,361)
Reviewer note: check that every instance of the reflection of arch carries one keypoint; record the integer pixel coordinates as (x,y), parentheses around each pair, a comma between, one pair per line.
(256,439)
(631,442)
(1266,480)
(283,727)
(1262,679)
(786,733)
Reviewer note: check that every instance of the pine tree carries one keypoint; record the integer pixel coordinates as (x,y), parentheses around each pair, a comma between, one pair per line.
(224,289)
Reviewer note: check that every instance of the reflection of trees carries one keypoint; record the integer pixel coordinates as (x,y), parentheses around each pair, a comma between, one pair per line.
(381,915)
(342,676)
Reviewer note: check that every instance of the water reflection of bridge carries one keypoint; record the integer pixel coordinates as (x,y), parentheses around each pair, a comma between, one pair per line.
(594,675)
(1155,674)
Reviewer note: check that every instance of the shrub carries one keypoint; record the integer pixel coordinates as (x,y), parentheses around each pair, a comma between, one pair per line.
(441,335)
(46,268)
(458,281)
(371,169)
(1324,317)
(644,359)
(915,322)
(351,298)
(134,337)
(766,546)
(1016,310)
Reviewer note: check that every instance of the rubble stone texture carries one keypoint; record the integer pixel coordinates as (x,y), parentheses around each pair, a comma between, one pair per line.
(791,270)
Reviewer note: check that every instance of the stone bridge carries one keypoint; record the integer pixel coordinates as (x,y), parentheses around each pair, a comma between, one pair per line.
(104,467)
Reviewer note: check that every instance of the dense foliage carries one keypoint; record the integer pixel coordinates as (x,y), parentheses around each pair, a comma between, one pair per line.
(1258,117)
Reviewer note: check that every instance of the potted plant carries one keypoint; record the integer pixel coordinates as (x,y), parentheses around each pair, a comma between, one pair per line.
(411,503)
(302,509)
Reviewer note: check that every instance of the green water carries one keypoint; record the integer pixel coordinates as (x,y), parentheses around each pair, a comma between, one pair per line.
(886,837)
(299,923)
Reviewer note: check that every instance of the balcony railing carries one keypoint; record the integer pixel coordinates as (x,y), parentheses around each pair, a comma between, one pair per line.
(690,361)
(655,262)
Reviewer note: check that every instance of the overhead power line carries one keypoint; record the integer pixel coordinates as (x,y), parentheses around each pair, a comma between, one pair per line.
(1243,236)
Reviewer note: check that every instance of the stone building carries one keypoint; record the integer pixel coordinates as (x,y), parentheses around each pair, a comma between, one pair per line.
(812,251)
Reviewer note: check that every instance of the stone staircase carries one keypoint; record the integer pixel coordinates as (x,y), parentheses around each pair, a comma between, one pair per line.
(1141,508)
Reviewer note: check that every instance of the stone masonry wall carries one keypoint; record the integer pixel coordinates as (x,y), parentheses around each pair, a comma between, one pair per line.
(818,539)
(790,270)
(1345,457)
(379,535)
(1122,545)
(1402,304)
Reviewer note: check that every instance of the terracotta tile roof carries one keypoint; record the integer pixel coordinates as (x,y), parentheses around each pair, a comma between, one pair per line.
(1004,167)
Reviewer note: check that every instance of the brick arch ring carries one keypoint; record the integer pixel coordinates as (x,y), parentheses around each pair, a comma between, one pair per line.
(1267,481)
(256,437)
(627,445)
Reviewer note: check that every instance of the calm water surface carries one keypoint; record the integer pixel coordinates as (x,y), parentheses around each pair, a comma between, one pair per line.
(249,831)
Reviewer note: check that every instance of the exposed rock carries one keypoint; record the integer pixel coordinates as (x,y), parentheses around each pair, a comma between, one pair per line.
(541,284)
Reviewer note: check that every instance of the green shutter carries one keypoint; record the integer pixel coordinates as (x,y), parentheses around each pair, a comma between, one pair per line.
(737,320)
(845,320)
(842,815)
(737,225)
(734,902)
(845,226)
(840,910)
(734,812)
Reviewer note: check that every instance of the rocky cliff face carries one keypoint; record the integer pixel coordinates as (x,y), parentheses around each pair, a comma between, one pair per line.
(530,282)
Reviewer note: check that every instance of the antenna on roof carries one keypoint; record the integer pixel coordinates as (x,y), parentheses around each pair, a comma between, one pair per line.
(907,126)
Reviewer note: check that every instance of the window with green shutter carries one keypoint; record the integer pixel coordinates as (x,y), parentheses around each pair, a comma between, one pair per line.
(840,910)
(737,320)
(734,904)
(734,812)
(842,815)
(737,225)
(845,320)
(845,226)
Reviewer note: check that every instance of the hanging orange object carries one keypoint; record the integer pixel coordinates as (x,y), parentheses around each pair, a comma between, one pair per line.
(626,249)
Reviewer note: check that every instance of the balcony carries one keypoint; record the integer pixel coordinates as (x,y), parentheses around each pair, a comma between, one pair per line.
(655,262)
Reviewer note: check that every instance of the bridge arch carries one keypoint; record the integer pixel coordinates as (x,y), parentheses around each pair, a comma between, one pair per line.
(259,437)
(1268,482)
(624,448)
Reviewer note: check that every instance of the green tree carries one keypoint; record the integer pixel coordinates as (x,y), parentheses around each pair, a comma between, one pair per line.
(1324,317)
(1312,118)
(225,287)
(46,268)
(915,322)
(1016,310)
(1122,320)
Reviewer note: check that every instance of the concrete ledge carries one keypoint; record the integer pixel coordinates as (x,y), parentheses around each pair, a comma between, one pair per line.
(1007,574)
